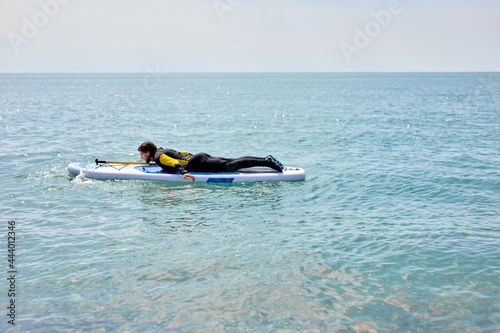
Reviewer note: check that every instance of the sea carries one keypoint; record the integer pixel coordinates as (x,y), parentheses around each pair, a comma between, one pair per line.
(396,227)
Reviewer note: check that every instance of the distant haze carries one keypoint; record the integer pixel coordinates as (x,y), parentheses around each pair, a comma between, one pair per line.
(249,36)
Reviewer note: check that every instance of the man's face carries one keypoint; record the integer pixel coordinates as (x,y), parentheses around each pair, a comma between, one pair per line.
(145,155)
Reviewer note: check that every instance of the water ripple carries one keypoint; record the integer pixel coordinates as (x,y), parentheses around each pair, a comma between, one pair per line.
(395,228)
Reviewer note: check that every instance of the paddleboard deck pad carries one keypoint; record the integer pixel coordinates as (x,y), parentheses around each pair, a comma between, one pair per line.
(154,172)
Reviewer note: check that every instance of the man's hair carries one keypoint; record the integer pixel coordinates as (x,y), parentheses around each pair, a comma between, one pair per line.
(148,146)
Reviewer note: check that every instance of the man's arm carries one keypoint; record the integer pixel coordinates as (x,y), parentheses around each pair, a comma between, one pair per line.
(174,163)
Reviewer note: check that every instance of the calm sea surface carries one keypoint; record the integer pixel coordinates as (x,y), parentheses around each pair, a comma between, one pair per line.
(396,227)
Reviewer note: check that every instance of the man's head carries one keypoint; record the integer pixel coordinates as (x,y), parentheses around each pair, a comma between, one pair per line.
(147,150)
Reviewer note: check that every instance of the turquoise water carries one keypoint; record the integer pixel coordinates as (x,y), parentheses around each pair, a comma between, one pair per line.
(396,227)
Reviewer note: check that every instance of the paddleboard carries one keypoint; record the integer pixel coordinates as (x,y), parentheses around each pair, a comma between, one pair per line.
(154,172)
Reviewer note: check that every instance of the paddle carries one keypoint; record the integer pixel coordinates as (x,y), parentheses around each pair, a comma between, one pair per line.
(118,162)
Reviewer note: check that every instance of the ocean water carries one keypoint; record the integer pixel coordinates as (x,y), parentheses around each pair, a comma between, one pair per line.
(396,227)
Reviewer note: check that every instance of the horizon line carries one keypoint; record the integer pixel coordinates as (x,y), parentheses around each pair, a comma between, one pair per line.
(256,72)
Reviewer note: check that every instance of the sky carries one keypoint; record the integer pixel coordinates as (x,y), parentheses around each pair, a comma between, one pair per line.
(249,36)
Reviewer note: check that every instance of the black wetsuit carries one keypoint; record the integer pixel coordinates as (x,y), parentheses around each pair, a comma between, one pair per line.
(183,162)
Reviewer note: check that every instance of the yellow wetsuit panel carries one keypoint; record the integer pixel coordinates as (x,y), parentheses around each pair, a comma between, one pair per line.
(170,162)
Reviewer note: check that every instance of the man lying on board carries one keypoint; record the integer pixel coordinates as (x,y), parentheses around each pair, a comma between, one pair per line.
(183,162)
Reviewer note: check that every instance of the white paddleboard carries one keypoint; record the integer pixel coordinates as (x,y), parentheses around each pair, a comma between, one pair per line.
(154,172)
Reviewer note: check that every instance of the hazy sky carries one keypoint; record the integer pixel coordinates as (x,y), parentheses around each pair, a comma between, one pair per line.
(249,35)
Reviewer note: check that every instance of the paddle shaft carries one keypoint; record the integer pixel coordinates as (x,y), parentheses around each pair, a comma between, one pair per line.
(119,162)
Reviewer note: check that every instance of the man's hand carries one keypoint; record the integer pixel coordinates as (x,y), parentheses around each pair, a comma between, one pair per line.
(188,175)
